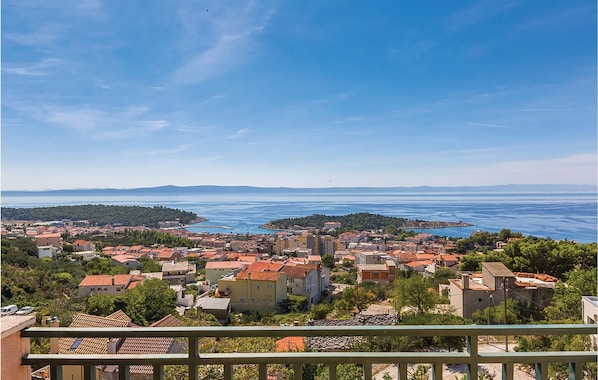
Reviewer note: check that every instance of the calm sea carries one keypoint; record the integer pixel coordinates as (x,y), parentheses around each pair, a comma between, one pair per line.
(570,216)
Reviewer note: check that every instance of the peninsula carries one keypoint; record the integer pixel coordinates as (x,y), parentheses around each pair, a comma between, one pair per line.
(358,221)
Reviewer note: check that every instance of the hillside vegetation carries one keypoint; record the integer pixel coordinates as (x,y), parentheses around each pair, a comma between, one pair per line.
(102,214)
(357,222)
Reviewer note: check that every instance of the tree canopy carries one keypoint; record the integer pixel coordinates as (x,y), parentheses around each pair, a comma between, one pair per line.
(102,214)
(358,221)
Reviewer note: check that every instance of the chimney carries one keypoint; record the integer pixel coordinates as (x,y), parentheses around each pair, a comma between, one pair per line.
(465,279)
(111,346)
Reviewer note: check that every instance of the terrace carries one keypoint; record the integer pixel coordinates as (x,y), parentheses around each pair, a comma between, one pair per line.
(17,361)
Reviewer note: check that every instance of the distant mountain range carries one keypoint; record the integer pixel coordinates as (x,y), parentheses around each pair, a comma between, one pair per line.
(207,189)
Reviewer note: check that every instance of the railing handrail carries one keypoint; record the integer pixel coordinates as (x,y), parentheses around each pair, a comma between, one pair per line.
(283,331)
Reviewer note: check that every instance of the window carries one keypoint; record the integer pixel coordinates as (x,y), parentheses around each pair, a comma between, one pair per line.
(269,286)
(242,299)
(257,286)
(76,343)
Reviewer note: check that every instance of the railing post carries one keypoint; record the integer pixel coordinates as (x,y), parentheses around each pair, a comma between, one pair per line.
(193,355)
(472,349)
(89,372)
(297,371)
(158,372)
(228,372)
(332,371)
(402,369)
(263,371)
(367,371)
(56,372)
(123,372)
(541,371)
(507,371)
(437,371)
(575,371)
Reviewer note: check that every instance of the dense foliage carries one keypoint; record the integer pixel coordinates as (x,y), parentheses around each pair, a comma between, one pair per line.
(147,302)
(536,255)
(130,237)
(100,215)
(360,221)
(43,283)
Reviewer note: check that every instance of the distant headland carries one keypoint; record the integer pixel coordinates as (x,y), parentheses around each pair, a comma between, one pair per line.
(211,189)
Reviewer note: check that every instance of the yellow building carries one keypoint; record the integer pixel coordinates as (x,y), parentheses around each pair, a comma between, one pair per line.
(260,287)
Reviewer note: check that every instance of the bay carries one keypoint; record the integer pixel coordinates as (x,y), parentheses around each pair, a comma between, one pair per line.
(571,216)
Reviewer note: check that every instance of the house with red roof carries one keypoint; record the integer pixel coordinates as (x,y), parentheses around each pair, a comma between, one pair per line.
(106,284)
(127,261)
(259,287)
(305,280)
(214,270)
(383,274)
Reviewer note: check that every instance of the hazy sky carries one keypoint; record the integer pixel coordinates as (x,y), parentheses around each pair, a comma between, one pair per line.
(125,94)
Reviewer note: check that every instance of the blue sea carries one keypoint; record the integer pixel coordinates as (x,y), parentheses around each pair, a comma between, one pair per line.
(571,216)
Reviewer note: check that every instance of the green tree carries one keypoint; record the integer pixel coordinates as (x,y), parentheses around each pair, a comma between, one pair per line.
(471,262)
(328,260)
(150,301)
(100,304)
(414,292)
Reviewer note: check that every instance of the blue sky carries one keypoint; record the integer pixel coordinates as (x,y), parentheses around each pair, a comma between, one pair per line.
(123,94)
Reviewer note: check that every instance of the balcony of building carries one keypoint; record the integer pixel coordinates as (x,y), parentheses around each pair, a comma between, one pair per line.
(17,359)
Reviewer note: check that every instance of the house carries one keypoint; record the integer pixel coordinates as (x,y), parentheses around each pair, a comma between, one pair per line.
(83,245)
(496,283)
(89,346)
(106,284)
(218,307)
(53,239)
(304,280)
(383,274)
(127,261)
(217,269)
(259,287)
(46,251)
(370,257)
(181,273)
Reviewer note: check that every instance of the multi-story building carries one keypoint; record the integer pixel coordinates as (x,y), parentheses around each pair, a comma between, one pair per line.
(383,274)
(215,270)
(101,283)
(495,284)
(260,287)
(327,245)
(53,239)
(178,273)
(370,257)
(305,280)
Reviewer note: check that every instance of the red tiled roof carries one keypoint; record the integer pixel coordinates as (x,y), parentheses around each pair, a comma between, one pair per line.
(291,343)
(96,280)
(259,276)
(415,264)
(296,271)
(89,345)
(265,265)
(122,279)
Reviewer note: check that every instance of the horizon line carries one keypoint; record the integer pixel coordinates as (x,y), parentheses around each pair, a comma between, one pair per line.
(552,185)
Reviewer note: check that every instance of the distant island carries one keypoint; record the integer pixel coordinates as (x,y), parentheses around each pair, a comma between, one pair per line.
(98,215)
(211,189)
(357,222)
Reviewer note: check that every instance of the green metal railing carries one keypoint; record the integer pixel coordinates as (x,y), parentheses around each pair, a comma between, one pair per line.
(471,357)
